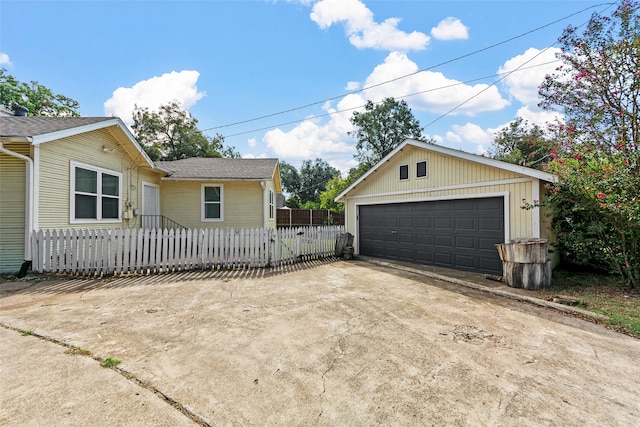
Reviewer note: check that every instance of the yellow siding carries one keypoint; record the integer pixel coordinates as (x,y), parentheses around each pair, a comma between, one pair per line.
(448,177)
(12,214)
(243,203)
(55,186)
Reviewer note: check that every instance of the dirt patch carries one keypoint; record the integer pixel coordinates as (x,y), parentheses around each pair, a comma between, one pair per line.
(331,344)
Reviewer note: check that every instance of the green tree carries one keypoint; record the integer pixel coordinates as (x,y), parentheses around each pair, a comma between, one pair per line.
(382,127)
(172,134)
(290,178)
(523,144)
(337,185)
(38,99)
(314,176)
(597,197)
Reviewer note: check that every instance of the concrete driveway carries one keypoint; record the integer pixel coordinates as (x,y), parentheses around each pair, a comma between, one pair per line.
(321,343)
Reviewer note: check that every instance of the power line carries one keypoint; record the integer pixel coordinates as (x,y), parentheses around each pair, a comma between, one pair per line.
(403,97)
(404,76)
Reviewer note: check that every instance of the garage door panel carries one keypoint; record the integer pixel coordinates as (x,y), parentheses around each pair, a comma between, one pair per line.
(442,223)
(489,224)
(468,224)
(466,242)
(441,240)
(487,244)
(449,233)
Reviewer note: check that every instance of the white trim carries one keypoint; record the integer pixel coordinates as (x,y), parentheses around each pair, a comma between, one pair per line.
(72,193)
(503,194)
(272,204)
(65,133)
(36,187)
(202,210)
(443,188)
(535,212)
(531,173)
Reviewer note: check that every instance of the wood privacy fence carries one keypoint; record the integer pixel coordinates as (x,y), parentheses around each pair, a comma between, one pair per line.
(148,251)
(287,217)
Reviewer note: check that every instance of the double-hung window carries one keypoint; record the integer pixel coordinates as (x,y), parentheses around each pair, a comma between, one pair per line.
(272,204)
(96,194)
(212,203)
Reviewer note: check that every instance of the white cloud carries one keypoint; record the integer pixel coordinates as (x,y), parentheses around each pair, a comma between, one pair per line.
(330,140)
(450,28)
(539,117)
(4,59)
(352,86)
(523,84)
(432,91)
(154,92)
(361,28)
(251,142)
(470,133)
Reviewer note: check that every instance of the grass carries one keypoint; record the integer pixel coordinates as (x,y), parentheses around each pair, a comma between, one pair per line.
(109,362)
(601,293)
(78,351)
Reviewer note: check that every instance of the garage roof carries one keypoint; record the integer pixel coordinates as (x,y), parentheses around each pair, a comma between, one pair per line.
(533,173)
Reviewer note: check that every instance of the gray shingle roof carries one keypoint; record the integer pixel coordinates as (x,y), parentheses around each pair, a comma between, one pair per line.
(216,168)
(32,126)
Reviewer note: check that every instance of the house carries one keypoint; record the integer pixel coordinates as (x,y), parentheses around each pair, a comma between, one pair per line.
(91,173)
(428,204)
(212,192)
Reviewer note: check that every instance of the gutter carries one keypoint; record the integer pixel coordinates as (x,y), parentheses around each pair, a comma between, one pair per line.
(28,220)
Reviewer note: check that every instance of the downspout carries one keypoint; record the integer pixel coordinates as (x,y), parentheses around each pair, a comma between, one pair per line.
(28,220)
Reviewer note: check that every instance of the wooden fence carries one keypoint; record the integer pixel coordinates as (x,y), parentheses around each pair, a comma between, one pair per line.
(148,251)
(287,217)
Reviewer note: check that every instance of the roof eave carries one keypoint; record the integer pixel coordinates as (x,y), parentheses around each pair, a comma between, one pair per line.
(533,173)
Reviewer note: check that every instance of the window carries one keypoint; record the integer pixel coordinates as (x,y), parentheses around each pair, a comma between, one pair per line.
(212,203)
(271,204)
(421,169)
(404,172)
(95,194)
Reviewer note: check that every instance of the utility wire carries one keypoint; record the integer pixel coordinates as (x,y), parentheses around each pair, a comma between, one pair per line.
(521,68)
(407,75)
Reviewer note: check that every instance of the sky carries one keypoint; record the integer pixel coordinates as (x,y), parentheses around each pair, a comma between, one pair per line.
(281,78)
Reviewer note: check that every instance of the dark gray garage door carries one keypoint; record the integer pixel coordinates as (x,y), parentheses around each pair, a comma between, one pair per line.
(457,234)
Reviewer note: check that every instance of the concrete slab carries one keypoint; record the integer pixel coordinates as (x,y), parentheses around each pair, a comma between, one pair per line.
(327,343)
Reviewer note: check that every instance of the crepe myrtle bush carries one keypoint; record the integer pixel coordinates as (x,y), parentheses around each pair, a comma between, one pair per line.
(595,207)
(595,203)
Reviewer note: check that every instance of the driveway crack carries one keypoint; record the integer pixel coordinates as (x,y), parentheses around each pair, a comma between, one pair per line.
(126,374)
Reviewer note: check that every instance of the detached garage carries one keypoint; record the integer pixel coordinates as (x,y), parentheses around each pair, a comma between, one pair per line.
(432,205)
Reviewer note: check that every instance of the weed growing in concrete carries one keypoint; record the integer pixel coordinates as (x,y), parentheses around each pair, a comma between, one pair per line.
(110,362)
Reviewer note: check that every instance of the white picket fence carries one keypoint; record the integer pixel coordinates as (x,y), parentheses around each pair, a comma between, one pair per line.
(148,251)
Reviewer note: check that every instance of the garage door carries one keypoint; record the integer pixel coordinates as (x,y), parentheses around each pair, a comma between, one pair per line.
(457,234)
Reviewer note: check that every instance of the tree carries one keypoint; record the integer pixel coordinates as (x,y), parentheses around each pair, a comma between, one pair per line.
(381,128)
(597,198)
(523,144)
(314,176)
(337,185)
(172,134)
(304,186)
(38,99)
(290,178)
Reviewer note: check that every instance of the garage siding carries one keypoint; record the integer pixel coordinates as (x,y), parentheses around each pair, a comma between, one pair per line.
(448,233)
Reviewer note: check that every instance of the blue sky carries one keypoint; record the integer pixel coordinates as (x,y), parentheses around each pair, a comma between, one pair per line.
(234,61)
